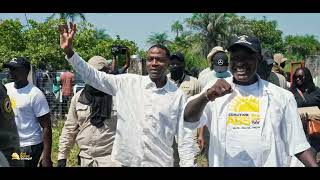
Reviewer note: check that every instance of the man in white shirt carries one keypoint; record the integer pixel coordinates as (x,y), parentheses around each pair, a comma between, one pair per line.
(149,108)
(252,122)
(32,115)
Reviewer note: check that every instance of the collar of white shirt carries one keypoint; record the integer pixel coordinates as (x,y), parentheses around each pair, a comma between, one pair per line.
(151,85)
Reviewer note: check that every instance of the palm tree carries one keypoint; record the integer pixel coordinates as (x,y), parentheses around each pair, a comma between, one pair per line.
(158,38)
(25,15)
(176,27)
(215,29)
(101,34)
(68,16)
(211,28)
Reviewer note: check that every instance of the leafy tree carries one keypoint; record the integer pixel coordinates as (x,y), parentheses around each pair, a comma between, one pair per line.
(176,27)
(68,16)
(101,34)
(268,34)
(301,46)
(212,29)
(40,42)
(158,38)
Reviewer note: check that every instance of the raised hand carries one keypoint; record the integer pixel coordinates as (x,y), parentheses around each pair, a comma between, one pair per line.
(220,88)
(67,36)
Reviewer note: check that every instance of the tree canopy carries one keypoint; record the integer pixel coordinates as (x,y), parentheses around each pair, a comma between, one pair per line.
(40,42)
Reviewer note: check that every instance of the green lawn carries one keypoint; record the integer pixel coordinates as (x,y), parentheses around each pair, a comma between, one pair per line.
(56,131)
(72,160)
(202,160)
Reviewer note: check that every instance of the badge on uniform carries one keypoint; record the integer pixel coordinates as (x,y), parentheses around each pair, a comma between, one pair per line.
(7,105)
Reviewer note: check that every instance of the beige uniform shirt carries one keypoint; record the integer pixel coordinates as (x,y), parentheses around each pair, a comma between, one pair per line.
(278,80)
(93,142)
(190,85)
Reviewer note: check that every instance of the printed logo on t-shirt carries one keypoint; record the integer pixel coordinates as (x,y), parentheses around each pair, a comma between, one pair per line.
(244,113)
(23,156)
(13,103)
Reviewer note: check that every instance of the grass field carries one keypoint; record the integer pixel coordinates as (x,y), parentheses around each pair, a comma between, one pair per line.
(73,160)
(56,131)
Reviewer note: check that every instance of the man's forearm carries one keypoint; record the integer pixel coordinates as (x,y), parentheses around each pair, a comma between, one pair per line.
(114,63)
(201,132)
(106,83)
(194,108)
(47,142)
(307,158)
(69,52)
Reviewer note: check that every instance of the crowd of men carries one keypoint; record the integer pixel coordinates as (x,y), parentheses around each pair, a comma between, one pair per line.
(240,110)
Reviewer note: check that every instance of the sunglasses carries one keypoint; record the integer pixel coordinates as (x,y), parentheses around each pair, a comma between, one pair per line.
(299,77)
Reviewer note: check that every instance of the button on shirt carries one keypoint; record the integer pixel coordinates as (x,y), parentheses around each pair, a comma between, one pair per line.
(148,117)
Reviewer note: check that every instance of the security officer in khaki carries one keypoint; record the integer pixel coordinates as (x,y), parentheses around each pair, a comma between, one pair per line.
(91,123)
(9,137)
(190,86)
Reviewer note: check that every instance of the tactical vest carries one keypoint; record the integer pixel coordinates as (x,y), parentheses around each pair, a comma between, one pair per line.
(9,137)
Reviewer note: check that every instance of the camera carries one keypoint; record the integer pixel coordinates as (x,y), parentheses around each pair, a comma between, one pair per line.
(117,49)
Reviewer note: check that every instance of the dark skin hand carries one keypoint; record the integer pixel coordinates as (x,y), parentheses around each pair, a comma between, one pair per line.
(45,123)
(66,38)
(201,140)
(219,89)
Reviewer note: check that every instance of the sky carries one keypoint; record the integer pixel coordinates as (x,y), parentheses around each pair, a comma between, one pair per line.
(139,26)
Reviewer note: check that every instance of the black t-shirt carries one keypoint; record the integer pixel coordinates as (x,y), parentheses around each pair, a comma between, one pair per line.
(311,99)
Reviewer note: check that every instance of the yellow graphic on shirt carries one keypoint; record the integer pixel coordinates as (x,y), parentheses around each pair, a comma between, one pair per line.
(13,103)
(244,111)
(15,156)
(23,156)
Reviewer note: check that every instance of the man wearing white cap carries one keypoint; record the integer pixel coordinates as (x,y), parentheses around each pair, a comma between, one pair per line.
(91,123)
(218,61)
(208,69)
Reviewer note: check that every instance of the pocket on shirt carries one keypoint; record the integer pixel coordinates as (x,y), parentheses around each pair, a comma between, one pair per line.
(83,113)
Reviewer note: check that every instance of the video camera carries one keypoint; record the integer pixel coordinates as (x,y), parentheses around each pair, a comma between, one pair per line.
(118,49)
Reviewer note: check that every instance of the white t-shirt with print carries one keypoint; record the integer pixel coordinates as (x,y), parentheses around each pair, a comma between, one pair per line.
(28,103)
(243,136)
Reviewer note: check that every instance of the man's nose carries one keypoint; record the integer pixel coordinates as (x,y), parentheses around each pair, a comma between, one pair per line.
(154,61)
(240,63)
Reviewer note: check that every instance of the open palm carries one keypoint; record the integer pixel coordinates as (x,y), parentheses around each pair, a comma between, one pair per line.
(67,35)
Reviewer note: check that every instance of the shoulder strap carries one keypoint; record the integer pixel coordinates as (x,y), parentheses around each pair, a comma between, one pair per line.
(301,94)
